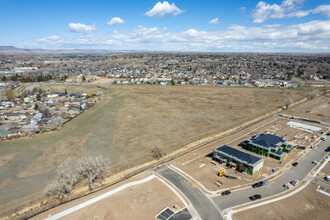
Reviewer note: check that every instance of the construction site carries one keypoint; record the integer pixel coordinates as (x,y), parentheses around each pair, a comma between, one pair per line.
(218,175)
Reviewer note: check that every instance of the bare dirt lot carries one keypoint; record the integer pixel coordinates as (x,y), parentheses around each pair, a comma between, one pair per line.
(142,201)
(198,164)
(316,109)
(306,204)
(126,125)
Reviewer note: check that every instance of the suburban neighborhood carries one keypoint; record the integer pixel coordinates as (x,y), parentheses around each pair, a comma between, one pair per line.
(165,110)
(40,111)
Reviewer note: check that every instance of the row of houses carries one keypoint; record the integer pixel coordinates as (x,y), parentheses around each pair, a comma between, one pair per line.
(33,114)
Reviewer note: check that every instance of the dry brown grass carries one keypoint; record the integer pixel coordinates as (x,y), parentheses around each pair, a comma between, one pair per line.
(126,127)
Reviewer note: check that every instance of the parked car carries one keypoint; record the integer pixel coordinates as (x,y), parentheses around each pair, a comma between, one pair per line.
(328,134)
(288,186)
(327,178)
(294,182)
(256,185)
(328,149)
(315,162)
(227,192)
(255,197)
(300,147)
(265,182)
(295,164)
(323,138)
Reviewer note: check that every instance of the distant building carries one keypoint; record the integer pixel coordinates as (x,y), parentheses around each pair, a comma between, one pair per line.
(36,118)
(6,133)
(241,160)
(267,145)
(233,84)
(219,82)
(13,116)
(27,100)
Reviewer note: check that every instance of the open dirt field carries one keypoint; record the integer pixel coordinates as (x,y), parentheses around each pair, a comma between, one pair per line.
(142,201)
(316,109)
(126,125)
(306,204)
(198,164)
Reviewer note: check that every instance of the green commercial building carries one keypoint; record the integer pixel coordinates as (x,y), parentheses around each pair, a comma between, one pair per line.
(268,145)
(242,161)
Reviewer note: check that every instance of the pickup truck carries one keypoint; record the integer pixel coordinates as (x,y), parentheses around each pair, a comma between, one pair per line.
(288,186)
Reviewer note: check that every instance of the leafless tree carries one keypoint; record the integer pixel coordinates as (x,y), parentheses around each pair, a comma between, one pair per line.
(68,174)
(55,190)
(23,94)
(288,102)
(99,94)
(66,179)
(56,122)
(30,133)
(157,153)
(314,93)
(10,95)
(44,111)
(94,169)
(59,121)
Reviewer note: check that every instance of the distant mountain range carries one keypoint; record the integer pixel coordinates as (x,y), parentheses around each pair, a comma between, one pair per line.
(16,50)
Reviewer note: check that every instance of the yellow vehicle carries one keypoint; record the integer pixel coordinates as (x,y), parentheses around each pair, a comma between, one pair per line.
(223,172)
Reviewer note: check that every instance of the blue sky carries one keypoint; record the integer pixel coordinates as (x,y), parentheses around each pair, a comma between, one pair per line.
(218,25)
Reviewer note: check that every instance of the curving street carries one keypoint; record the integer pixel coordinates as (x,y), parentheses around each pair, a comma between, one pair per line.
(206,208)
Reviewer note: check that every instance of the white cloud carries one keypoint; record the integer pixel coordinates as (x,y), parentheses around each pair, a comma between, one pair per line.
(299,14)
(288,8)
(324,9)
(265,11)
(162,9)
(115,21)
(235,36)
(243,9)
(81,28)
(311,36)
(214,21)
(53,37)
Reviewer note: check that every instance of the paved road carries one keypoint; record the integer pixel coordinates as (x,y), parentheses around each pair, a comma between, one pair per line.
(304,167)
(322,182)
(202,204)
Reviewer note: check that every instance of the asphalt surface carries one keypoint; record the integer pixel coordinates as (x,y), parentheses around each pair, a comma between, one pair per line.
(276,186)
(202,204)
(182,215)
